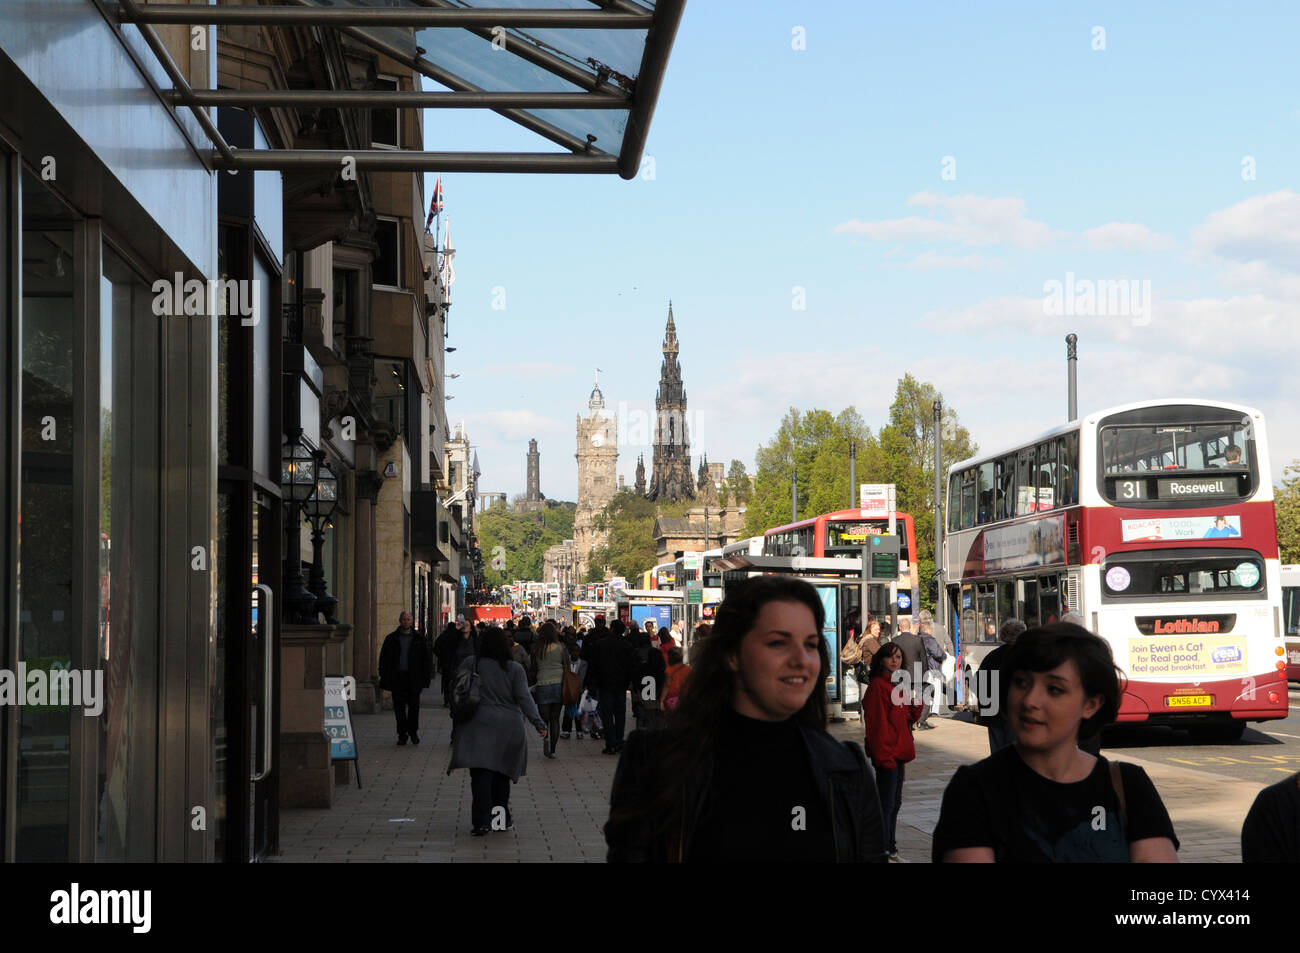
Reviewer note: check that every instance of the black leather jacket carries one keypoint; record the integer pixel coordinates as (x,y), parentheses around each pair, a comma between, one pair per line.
(839,771)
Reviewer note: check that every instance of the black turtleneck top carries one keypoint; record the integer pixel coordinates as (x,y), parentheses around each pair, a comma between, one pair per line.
(763,804)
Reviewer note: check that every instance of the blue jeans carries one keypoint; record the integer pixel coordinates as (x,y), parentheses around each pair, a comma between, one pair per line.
(889,782)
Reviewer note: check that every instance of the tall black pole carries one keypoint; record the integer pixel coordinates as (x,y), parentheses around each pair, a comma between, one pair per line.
(794,495)
(853,473)
(1072,362)
(942,617)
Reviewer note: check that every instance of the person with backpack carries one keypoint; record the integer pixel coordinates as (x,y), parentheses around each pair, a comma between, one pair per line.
(489,738)
(1044,799)
(572,684)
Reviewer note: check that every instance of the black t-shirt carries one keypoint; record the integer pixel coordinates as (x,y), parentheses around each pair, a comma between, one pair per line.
(761,777)
(1271,834)
(1026,818)
(990,678)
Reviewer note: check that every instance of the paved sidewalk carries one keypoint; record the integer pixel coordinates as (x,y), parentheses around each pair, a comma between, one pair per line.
(411,810)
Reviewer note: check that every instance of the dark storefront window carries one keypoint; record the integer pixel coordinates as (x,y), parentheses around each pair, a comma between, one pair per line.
(128,539)
(46,610)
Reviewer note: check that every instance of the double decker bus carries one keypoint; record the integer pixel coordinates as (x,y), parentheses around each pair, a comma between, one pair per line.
(841,533)
(1291,619)
(1154,521)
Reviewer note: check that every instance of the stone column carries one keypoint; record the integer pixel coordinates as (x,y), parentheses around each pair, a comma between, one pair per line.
(306,778)
(364,648)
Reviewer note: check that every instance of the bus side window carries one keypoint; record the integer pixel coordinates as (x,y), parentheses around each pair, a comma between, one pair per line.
(1049,600)
(968,498)
(1006,601)
(1047,475)
(1029,602)
(1025,482)
(1007,487)
(986,514)
(954,503)
(1067,474)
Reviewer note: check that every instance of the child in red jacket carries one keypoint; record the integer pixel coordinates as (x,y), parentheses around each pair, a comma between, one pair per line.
(889,736)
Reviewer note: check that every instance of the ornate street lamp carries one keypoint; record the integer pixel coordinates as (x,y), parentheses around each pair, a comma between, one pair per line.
(319,507)
(298,480)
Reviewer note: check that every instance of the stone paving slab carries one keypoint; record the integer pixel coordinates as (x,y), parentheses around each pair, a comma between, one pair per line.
(411,811)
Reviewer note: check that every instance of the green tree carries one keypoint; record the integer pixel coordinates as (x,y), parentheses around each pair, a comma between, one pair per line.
(629,548)
(1286,504)
(738,483)
(514,544)
(816,443)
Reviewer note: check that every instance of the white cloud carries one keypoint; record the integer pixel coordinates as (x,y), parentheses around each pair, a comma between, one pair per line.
(1126,236)
(970,220)
(931,259)
(1265,229)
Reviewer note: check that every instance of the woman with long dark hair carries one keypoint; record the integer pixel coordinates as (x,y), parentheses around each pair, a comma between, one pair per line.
(887,720)
(745,769)
(548,657)
(492,743)
(1044,799)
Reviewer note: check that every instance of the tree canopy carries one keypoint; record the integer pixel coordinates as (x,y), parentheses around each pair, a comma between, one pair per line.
(629,550)
(816,443)
(523,539)
(1286,504)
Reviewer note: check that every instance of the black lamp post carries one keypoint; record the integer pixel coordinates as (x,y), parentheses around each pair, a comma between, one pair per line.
(319,508)
(298,478)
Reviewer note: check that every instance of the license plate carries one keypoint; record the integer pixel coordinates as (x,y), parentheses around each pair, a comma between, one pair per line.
(1189,701)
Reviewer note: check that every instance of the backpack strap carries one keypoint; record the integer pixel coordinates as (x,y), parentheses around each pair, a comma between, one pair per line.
(1117,782)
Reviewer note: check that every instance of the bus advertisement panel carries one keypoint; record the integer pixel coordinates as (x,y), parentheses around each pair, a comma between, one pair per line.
(1154,522)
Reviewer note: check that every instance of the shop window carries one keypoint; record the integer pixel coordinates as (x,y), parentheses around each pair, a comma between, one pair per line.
(384,126)
(387,266)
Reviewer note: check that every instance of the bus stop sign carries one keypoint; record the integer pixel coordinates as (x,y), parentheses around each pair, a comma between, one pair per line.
(883,556)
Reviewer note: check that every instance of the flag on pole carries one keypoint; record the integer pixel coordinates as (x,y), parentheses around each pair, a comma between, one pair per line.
(435,204)
(447,270)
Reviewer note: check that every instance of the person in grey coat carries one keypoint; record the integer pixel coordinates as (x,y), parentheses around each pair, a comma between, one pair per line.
(493,743)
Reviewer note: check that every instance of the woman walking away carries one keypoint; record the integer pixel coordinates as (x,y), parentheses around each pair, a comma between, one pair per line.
(572,683)
(1044,799)
(549,663)
(492,743)
(889,737)
(745,770)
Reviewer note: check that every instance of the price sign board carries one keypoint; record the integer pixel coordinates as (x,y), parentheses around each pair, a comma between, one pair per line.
(338,721)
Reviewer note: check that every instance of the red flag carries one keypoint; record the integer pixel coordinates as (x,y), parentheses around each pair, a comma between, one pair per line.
(435,204)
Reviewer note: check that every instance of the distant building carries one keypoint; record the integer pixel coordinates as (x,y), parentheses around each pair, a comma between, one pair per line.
(597,458)
(533,499)
(671,461)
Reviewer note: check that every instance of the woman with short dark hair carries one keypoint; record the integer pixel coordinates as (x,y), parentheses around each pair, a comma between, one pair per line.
(492,743)
(744,769)
(887,719)
(1043,799)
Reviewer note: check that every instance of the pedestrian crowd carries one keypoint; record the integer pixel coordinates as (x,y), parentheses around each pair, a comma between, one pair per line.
(730,758)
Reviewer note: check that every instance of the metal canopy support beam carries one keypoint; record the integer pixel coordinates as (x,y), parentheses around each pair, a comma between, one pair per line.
(650,78)
(384,160)
(464,17)
(419,99)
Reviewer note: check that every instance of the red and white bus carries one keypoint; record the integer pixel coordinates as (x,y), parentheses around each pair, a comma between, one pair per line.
(1291,619)
(1154,521)
(842,532)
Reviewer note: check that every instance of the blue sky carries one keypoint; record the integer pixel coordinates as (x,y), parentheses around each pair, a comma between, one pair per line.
(1165,159)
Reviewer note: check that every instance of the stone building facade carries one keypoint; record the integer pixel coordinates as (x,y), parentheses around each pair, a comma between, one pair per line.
(597,458)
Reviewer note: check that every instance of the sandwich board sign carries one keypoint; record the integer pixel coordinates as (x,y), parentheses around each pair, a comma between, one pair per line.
(338,722)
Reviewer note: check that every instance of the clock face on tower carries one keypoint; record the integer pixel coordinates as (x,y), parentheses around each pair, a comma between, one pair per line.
(598,439)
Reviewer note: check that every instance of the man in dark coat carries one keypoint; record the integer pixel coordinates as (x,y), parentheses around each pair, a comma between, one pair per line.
(609,672)
(524,634)
(405,669)
(913,658)
(444,650)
